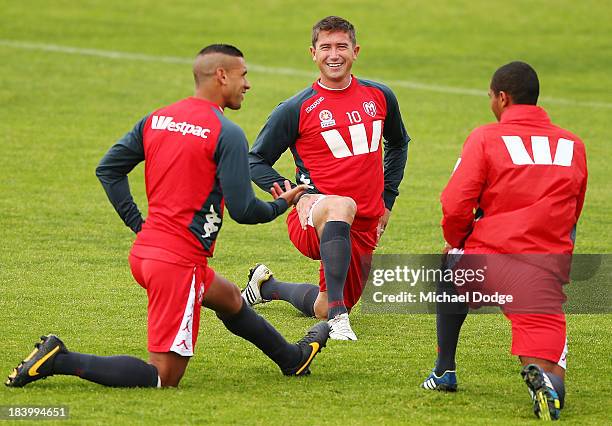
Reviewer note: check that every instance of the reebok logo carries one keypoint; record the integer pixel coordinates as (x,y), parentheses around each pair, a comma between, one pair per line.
(161,122)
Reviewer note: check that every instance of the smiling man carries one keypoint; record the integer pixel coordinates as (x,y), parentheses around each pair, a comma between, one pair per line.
(334,130)
(195,167)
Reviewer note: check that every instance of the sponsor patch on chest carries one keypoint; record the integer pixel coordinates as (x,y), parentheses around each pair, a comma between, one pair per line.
(327,119)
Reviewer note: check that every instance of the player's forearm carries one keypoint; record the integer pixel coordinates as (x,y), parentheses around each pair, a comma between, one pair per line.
(112,172)
(262,173)
(118,192)
(245,208)
(395,162)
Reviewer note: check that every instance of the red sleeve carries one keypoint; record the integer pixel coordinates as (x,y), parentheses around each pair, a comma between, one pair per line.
(462,193)
(582,193)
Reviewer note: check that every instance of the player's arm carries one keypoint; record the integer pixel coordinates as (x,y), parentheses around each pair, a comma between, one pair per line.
(112,172)
(277,135)
(231,156)
(460,197)
(396,148)
(583,187)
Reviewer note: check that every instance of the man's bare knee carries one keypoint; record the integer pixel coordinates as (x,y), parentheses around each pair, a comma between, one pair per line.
(223,297)
(170,367)
(232,304)
(335,208)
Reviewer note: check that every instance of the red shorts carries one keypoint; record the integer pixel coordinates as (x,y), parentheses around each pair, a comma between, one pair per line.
(536,311)
(363,243)
(175,288)
(539,336)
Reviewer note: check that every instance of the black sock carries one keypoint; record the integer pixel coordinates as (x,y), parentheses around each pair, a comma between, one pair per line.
(302,296)
(118,371)
(336,258)
(559,386)
(254,328)
(449,319)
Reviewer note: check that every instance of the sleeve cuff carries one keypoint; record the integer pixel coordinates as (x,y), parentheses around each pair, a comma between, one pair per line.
(389,199)
(281,204)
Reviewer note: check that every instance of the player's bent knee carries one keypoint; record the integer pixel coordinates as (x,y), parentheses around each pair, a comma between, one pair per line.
(223,297)
(235,300)
(170,367)
(336,207)
(169,380)
(231,305)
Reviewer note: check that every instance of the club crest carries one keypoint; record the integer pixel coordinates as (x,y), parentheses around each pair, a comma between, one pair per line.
(370,108)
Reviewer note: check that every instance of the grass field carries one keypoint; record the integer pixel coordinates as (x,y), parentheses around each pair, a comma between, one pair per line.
(63,249)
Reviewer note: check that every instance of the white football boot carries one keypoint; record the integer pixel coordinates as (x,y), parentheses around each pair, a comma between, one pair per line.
(340,328)
(258,275)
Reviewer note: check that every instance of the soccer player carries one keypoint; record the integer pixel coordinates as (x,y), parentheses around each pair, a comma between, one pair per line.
(527,178)
(334,129)
(195,166)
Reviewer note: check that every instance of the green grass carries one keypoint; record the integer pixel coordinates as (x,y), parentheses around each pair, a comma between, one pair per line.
(63,250)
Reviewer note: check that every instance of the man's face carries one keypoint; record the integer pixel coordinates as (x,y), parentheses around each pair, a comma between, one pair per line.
(334,54)
(236,82)
(496,103)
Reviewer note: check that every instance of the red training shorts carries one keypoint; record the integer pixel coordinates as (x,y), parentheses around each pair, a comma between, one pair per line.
(536,311)
(539,336)
(175,288)
(363,243)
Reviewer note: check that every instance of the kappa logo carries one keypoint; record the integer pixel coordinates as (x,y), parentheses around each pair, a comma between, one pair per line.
(540,146)
(370,108)
(161,122)
(314,105)
(327,119)
(212,219)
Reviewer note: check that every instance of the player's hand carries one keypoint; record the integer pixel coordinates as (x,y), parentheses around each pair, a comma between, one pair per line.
(447,248)
(288,194)
(382,224)
(303,207)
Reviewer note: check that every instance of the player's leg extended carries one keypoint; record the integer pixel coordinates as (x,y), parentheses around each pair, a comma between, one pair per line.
(263,287)
(51,357)
(239,318)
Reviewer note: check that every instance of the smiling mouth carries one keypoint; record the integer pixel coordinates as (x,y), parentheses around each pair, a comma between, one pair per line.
(334,65)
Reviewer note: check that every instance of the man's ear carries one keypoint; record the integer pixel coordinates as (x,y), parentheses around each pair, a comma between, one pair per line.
(221,75)
(356,51)
(505,98)
(312,53)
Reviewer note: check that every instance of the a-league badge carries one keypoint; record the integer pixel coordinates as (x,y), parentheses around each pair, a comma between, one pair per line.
(327,119)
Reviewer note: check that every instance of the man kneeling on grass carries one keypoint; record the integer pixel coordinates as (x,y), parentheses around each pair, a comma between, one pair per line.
(195,164)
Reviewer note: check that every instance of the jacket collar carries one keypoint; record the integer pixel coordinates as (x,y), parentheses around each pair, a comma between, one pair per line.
(521,112)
